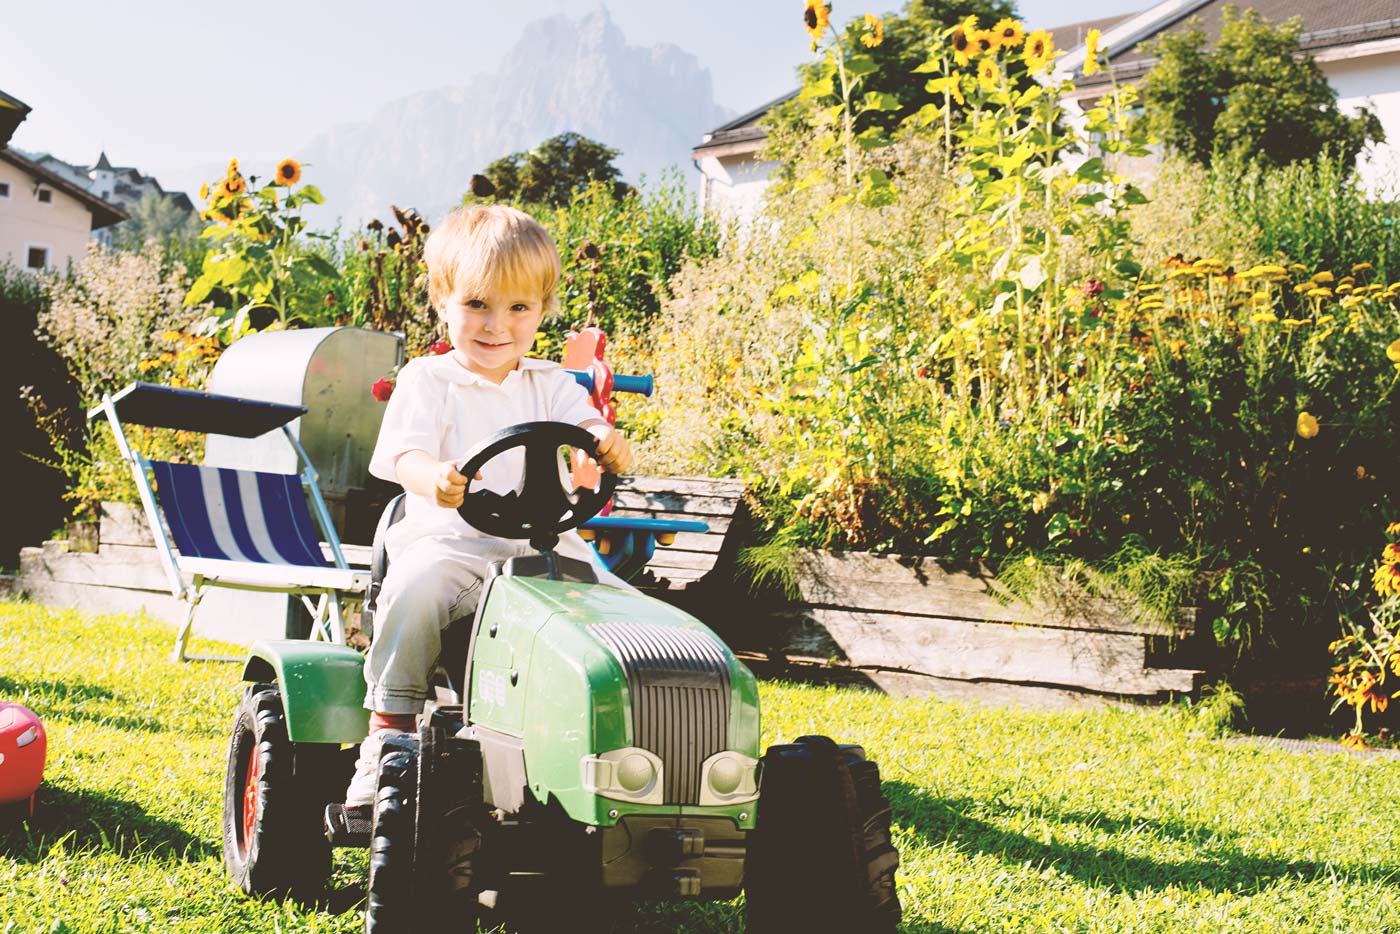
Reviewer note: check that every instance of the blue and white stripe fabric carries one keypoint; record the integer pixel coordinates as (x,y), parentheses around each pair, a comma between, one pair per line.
(237,515)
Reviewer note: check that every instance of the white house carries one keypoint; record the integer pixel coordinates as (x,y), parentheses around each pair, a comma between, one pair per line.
(46,218)
(1355,42)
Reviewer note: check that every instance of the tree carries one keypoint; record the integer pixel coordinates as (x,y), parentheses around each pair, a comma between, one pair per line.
(1255,93)
(552,171)
(159,219)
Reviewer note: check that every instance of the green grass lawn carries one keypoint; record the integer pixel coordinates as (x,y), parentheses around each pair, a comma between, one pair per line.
(1007,820)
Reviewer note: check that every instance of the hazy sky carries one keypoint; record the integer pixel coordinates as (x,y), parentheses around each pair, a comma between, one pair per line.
(171,87)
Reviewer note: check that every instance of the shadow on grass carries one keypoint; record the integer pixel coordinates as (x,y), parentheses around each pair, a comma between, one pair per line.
(1221,865)
(69,700)
(85,821)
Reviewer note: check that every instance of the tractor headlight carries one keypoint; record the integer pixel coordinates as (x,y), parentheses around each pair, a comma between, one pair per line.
(728,778)
(630,774)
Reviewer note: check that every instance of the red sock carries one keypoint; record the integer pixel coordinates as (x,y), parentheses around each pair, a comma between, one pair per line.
(390,721)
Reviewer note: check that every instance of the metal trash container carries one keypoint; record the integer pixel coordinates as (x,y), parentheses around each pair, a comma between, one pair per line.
(328,370)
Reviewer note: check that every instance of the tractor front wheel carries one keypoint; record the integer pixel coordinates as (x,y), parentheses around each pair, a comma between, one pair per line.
(821,857)
(273,843)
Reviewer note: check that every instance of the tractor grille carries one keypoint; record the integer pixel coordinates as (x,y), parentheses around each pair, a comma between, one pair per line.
(679,682)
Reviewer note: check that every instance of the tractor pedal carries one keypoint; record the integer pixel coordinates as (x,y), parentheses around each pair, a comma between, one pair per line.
(349,826)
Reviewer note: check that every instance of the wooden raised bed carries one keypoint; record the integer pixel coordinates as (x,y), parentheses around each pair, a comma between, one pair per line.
(911,625)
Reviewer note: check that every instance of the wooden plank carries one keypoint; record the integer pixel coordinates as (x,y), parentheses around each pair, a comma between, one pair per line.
(667,558)
(672,502)
(692,486)
(719,525)
(1111,663)
(921,587)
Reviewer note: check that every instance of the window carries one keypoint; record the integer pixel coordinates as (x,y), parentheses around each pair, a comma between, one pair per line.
(4,189)
(37,257)
(45,195)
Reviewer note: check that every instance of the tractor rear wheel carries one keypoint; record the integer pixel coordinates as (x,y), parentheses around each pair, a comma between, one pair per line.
(820,858)
(273,794)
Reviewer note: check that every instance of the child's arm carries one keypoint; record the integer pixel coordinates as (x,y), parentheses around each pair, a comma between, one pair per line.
(419,473)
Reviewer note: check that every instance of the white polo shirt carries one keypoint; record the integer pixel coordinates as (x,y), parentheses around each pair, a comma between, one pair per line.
(441,407)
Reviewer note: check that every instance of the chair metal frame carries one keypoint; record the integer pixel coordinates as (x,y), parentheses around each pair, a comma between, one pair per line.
(332,599)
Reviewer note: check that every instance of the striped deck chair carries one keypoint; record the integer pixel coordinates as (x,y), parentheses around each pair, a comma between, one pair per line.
(240,529)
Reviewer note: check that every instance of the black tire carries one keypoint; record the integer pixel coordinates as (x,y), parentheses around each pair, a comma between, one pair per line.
(273,798)
(820,858)
(390,907)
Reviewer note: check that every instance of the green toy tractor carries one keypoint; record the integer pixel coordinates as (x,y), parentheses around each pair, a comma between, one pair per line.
(607,752)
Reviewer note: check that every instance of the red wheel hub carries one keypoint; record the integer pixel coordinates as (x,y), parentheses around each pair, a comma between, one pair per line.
(250,802)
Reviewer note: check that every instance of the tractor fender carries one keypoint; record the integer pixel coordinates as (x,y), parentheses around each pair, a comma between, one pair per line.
(322,685)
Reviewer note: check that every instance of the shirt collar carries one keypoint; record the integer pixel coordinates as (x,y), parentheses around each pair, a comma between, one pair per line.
(456,373)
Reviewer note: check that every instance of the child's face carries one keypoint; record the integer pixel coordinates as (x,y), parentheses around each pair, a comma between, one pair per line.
(490,332)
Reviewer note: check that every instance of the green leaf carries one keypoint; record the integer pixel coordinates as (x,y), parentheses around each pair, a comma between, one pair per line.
(1090,171)
(881,100)
(1133,195)
(312,194)
(860,65)
(321,265)
(1126,267)
(1057,526)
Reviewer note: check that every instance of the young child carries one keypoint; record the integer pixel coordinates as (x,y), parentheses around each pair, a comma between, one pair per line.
(493,273)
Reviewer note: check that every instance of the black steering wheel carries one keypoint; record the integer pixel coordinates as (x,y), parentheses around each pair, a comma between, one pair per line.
(544,507)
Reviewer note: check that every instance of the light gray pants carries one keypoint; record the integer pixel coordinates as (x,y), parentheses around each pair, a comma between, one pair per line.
(432,580)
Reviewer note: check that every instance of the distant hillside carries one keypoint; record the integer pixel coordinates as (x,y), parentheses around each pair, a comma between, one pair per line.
(563,74)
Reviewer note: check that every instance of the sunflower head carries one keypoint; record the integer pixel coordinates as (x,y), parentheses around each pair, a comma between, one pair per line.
(1009,33)
(232,168)
(987,74)
(874,32)
(816,16)
(984,42)
(1091,53)
(288,172)
(961,40)
(233,185)
(1039,51)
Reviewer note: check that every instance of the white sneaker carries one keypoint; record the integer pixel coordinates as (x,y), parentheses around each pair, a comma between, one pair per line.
(365,782)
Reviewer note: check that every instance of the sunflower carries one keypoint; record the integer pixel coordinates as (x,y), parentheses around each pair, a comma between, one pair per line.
(874,31)
(232,168)
(233,185)
(204,192)
(816,16)
(984,42)
(289,171)
(1307,426)
(961,40)
(1392,352)
(987,74)
(1009,33)
(1040,50)
(1091,53)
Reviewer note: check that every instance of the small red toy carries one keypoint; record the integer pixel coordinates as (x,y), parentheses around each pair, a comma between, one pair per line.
(23,745)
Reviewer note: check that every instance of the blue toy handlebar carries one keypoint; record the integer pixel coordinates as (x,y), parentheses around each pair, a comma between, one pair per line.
(641,385)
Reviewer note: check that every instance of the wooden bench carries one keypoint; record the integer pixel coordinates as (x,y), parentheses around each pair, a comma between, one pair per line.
(694,556)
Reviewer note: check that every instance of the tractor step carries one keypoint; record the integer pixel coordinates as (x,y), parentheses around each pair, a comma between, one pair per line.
(349,826)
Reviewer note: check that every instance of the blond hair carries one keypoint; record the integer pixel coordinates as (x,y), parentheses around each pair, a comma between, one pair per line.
(479,247)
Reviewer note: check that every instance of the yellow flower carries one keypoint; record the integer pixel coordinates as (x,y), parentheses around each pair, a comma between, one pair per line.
(1391,553)
(1362,267)
(232,168)
(1263,317)
(204,192)
(961,40)
(984,42)
(1319,293)
(1040,50)
(1302,287)
(233,185)
(1091,53)
(1324,278)
(1393,352)
(1307,426)
(1261,298)
(1393,528)
(1009,33)
(1295,322)
(875,31)
(987,74)
(817,17)
(1297,267)
(1355,741)
(288,172)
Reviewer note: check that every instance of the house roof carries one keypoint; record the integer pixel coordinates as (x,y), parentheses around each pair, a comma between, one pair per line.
(103,213)
(1325,26)
(12,114)
(744,133)
(102,163)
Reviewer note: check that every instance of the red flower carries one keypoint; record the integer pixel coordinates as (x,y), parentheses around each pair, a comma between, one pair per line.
(1093,288)
(382,389)
(439,348)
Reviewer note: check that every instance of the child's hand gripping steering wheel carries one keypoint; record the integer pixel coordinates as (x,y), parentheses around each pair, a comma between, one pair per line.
(544,507)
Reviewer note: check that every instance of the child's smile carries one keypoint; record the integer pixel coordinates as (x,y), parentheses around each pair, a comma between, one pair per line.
(491,332)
